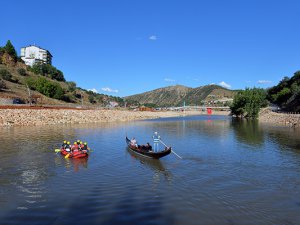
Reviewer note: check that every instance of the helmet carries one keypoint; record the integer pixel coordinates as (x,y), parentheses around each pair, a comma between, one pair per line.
(78,140)
(75,143)
(65,141)
(81,142)
(85,143)
(68,143)
(155,132)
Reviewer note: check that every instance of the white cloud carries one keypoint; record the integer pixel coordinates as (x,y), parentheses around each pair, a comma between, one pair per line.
(225,85)
(93,90)
(153,38)
(169,80)
(264,81)
(107,89)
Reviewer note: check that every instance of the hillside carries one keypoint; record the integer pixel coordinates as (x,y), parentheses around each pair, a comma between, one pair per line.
(42,84)
(176,95)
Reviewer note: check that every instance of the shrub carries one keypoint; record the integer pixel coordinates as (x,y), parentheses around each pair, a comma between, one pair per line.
(48,70)
(71,86)
(46,87)
(22,71)
(5,74)
(2,84)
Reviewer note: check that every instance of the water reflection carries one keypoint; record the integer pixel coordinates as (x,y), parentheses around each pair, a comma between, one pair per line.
(155,165)
(248,131)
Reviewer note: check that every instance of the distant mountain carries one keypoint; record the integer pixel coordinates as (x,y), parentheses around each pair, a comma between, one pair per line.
(176,95)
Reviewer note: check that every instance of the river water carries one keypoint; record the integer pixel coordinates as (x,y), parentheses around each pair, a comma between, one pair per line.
(232,172)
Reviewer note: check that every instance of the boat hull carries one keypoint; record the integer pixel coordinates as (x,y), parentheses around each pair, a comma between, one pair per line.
(74,154)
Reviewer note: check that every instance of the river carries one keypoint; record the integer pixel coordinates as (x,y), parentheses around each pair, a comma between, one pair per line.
(231,172)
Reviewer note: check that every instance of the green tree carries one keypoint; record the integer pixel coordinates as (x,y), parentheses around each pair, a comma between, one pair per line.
(10,49)
(247,103)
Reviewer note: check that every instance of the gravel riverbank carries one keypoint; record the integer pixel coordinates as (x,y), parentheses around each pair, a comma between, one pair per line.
(36,117)
(281,119)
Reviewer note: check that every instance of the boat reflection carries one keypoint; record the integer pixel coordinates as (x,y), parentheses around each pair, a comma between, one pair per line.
(154,164)
(76,164)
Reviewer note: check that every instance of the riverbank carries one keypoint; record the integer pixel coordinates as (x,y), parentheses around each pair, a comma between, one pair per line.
(37,117)
(281,119)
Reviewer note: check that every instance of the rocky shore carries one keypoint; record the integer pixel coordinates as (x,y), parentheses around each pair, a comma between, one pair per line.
(282,119)
(36,117)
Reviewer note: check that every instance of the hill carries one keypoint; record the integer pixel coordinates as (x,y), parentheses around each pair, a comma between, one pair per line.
(42,84)
(176,95)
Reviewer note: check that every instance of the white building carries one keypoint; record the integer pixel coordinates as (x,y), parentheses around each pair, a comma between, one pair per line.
(33,54)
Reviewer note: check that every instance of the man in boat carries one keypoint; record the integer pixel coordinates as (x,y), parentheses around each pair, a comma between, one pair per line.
(148,147)
(156,140)
(133,142)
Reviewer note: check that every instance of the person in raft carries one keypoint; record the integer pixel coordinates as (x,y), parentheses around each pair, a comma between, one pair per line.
(64,144)
(156,140)
(68,147)
(75,146)
(84,147)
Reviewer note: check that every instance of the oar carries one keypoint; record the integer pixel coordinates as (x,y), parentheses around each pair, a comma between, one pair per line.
(171,150)
(57,150)
(67,156)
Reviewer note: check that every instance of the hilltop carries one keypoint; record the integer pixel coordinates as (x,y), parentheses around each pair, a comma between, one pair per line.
(176,95)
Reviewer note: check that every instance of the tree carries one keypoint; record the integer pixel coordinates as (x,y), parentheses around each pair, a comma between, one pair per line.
(247,103)
(10,49)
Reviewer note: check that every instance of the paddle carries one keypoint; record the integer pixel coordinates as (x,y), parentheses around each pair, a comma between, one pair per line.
(171,150)
(57,150)
(67,156)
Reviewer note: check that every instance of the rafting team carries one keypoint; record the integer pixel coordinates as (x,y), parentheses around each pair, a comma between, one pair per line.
(77,146)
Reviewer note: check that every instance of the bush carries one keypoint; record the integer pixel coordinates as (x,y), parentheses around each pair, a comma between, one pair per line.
(2,84)
(22,71)
(46,87)
(48,71)
(71,86)
(5,74)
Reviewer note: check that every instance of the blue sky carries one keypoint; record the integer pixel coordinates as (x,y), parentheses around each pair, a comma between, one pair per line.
(125,47)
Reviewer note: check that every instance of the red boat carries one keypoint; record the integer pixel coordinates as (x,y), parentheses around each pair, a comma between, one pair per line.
(75,154)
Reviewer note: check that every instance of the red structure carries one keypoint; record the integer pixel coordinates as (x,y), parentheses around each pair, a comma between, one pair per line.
(209,111)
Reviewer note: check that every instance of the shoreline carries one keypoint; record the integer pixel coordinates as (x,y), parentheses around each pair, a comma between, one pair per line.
(45,116)
(50,116)
(279,119)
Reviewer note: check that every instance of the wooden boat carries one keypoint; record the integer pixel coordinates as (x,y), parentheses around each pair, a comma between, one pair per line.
(148,152)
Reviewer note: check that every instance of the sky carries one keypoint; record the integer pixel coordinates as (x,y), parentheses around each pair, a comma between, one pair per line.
(126,47)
